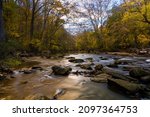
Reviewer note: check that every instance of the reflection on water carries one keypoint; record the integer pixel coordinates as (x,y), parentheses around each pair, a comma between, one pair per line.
(75,86)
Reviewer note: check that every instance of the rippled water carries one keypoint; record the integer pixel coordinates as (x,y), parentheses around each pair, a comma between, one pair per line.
(75,86)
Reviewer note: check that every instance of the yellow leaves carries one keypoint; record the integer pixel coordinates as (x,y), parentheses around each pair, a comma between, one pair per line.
(143,40)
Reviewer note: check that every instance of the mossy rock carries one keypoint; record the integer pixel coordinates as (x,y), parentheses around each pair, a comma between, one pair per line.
(76,60)
(138,72)
(61,70)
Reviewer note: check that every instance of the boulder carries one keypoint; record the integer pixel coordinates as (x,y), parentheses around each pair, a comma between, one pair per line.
(76,60)
(89,59)
(138,73)
(125,86)
(85,66)
(98,67)
(102,78)
(117,74)
(60,70)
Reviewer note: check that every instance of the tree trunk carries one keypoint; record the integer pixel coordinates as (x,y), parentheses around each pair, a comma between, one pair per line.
(2,32)
(32,25)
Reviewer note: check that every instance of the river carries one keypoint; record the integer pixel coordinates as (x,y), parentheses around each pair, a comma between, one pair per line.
(75,87)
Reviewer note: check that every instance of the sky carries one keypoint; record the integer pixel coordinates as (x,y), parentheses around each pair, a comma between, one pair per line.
(73,26)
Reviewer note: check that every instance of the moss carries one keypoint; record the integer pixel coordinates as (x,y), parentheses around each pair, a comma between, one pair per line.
(12,62)
(17,63)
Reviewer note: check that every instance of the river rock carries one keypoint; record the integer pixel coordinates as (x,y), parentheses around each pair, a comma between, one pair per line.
(70,57)
(145,79)
(60,70)
(37,68)
(123,61)
(138,72)
(58,93)
(89,59)
(118,75)
(2,77)
(102,78)
(125,86)
(76,60)
(5,69)
(98,67)
(85,66)
(103,58)
(23,82)
(27,71)
(113,65)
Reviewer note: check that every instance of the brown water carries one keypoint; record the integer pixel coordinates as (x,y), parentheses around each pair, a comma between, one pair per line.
(24,86)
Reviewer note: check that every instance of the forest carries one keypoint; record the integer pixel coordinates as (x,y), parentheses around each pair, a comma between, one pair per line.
(35,34)
(36,26)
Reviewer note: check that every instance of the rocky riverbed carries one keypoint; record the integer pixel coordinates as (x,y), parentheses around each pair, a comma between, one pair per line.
(79,76)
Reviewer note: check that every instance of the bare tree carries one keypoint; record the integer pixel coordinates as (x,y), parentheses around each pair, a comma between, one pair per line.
(95,11)
(48,6)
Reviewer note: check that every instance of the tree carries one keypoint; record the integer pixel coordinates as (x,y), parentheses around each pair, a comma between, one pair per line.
(94,13)
(2,32)
(140,8)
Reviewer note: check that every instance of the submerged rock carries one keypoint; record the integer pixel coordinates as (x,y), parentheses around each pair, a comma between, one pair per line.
(58,93)
(23,82)
(60,70)
(138,72)
(76,60)
(125,86)
(102,78)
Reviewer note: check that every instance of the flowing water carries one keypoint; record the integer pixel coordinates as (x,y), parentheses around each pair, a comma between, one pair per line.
(40,82)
